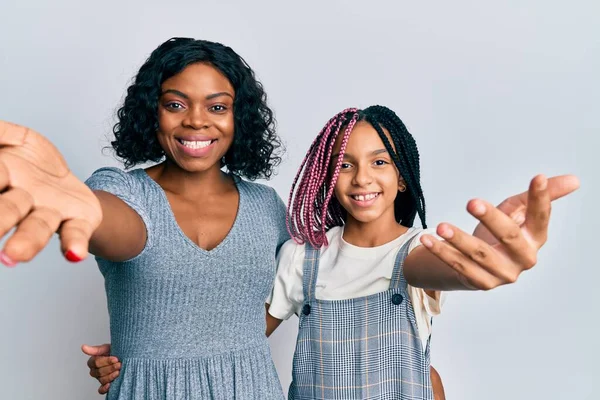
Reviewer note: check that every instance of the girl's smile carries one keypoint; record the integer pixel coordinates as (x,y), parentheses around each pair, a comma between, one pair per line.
(365,199)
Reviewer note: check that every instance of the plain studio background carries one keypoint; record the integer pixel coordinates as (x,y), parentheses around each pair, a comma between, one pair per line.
(493,93)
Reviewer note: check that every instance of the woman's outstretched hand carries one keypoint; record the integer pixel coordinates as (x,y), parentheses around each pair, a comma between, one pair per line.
(40,196)
(508,238)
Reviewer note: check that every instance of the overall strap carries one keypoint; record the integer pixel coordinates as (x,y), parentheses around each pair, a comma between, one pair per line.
(398,280)
(310,270)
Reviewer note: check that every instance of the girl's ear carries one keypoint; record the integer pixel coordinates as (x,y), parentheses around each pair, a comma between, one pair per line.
(401,185)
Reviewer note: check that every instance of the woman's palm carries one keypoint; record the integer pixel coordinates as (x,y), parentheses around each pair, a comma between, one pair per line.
(41,195)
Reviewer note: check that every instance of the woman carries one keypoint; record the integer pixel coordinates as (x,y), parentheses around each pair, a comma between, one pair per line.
(187,250)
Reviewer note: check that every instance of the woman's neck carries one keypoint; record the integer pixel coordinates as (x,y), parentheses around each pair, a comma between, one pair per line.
(176,180)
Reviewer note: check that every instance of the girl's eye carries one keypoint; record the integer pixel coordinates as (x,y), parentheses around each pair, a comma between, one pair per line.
(218,108)
(345,166)
(380,162)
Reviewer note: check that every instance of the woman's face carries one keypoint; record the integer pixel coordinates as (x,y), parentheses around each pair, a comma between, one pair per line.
(195,117)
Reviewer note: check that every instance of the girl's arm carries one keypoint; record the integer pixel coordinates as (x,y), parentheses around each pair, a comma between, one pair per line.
(286,293)
(503,245)
(272,322)
(104,367)
(41,196)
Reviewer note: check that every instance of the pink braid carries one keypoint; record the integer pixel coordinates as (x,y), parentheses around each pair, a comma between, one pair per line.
(336,172)
(296,216)
(309,214)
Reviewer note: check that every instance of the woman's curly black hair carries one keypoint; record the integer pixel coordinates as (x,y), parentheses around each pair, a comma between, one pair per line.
(254,151)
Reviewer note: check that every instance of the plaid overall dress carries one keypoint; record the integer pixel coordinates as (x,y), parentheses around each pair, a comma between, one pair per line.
(361,348)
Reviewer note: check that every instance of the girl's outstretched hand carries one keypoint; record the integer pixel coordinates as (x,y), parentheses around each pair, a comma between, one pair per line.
(507,240)
(40,196)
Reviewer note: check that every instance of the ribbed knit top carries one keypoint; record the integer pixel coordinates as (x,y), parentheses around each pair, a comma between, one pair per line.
(186,322)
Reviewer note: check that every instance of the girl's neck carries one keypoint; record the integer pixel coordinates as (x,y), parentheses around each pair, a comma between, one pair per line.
(197,184)
(372,234)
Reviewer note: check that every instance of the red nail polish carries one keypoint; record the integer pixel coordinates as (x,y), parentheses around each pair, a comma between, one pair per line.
(71,256)
(6,260)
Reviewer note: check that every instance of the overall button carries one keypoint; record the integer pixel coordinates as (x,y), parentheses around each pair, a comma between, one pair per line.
(397,299)
(306,309)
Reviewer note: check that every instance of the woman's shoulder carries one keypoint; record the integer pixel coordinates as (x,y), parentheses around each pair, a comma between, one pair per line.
(134,187)
(116,176)
(264,195)
(255,187)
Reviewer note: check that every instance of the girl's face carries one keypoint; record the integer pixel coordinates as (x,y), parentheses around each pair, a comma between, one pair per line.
(368,181)
(195,117)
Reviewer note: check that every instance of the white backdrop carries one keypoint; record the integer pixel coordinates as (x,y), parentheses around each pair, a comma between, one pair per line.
(494,93)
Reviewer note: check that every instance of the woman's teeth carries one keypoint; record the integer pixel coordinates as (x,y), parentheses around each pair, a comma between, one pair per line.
(365,197)
(196,144)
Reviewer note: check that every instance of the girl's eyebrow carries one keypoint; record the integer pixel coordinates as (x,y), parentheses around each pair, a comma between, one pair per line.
(375,152)
(380,151)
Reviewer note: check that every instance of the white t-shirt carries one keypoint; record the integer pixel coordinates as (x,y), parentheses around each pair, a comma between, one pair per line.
(345,272)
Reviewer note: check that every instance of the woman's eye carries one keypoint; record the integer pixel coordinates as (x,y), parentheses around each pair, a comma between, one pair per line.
(345,166)
(218,108)
(174,106)
(380,162)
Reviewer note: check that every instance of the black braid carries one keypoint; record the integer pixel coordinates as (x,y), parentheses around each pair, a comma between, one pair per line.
(406,158)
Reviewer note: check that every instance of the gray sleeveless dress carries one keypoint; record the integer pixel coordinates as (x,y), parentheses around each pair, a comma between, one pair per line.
(189,323)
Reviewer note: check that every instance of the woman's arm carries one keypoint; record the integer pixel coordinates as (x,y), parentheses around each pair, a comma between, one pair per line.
(122,234)
(436,383)
(41,196)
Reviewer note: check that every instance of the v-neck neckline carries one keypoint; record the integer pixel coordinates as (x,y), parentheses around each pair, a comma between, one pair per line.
(241,202)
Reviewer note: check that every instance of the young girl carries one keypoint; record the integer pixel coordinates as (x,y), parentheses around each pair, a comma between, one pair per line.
(363,332)
(355,273)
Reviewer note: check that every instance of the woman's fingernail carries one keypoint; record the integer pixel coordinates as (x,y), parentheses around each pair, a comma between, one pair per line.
(71,256)
(6,260)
